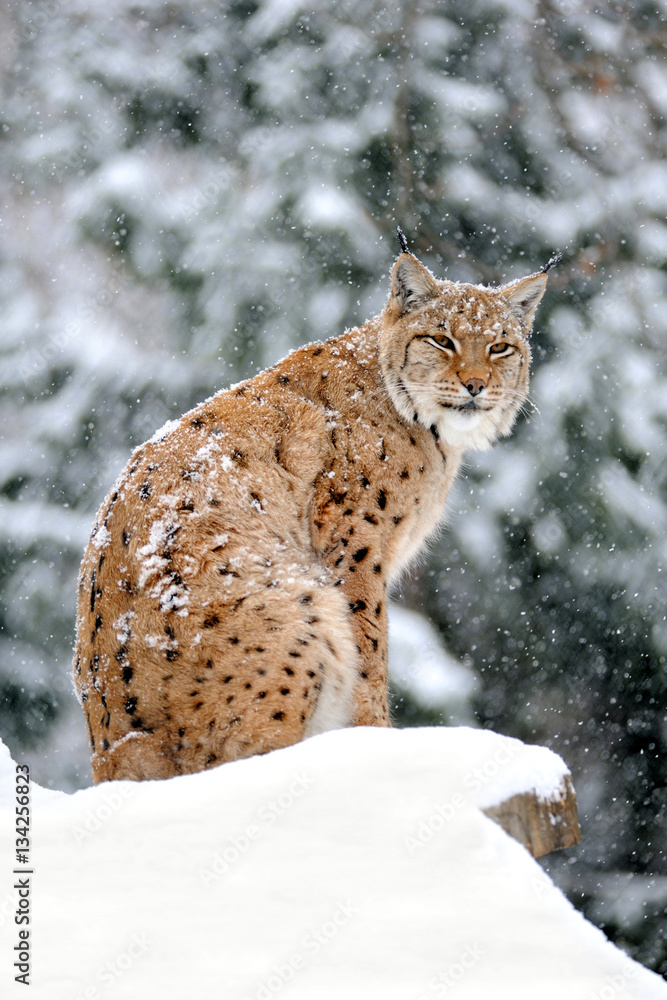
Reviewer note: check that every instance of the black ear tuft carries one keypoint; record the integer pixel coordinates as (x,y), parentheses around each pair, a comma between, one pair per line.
(412,284)
(524,296)
(402,240)
(553,262)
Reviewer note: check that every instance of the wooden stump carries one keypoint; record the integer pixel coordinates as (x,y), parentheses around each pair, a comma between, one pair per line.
(541,825)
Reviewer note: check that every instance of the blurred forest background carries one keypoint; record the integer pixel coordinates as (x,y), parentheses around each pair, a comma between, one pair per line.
(191,189)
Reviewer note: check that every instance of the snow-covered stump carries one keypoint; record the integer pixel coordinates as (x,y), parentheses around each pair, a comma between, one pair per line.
(421,667)
(359,863)
(541,824)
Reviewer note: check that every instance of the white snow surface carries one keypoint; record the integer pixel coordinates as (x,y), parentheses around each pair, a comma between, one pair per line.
(163,431)
(356,864)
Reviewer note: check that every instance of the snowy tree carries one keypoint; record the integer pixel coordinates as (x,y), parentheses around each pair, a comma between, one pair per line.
(189,190)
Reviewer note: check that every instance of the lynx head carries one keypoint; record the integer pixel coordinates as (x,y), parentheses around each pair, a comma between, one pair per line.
(456,356)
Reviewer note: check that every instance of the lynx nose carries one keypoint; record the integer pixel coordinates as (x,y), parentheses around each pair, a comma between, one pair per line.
(475,386)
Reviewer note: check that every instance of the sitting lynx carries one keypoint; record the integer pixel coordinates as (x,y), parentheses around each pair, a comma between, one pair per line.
(233,595)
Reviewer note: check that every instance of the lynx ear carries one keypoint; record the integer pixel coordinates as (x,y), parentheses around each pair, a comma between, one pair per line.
(524,296)
(411,284)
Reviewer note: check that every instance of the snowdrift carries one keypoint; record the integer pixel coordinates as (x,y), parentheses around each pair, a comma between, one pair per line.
(357,864)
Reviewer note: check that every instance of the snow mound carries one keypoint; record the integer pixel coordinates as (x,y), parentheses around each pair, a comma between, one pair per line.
(356,864)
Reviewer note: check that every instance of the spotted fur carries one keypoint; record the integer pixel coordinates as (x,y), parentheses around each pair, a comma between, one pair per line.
(233,595)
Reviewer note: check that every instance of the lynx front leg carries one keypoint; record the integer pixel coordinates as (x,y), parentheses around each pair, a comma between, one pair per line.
(355,563)
(368,614)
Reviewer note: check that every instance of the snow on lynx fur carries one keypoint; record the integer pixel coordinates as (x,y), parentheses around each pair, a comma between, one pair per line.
(233,595)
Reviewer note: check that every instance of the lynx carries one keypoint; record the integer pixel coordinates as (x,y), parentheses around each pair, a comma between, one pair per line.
(233,596)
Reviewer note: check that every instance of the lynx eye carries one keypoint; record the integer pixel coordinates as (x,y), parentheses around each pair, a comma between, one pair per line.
(501,348)
(442,342)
